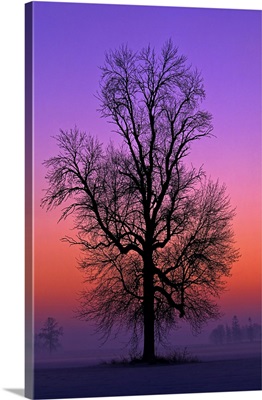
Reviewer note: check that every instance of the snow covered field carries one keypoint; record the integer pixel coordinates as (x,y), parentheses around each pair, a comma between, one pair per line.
(98,381)
(221,369)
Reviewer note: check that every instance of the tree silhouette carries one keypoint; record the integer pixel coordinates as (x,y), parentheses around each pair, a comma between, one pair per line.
(50,334)
(218,335)
(155,233)
(236,331)
(228,334)
(250,330)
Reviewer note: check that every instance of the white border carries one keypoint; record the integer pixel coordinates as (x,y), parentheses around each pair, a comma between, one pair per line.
(12,187)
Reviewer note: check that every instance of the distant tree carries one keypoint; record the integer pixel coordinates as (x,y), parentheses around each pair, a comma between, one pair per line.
(248,331)
(228,334)
(38,345)
(218,335)
(257,331)
(236,331)
(50,335)
(155,233)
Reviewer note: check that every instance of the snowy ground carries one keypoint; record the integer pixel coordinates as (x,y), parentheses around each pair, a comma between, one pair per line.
(219,371)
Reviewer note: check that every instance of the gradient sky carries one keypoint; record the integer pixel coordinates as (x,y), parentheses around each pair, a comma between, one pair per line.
(70,41)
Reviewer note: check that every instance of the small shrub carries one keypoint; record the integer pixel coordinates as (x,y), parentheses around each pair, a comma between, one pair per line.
(177,357)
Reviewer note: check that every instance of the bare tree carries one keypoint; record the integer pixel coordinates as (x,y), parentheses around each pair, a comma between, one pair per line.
(250,330)
(49,335)
(236,330)
(218,335)
(156,234)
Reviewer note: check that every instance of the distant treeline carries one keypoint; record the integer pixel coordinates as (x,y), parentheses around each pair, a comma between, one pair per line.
(235,333)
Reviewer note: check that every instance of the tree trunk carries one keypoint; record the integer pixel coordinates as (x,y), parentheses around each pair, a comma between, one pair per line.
(149,332)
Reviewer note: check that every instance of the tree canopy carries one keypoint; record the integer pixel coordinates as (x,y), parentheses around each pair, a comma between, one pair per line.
(156,233)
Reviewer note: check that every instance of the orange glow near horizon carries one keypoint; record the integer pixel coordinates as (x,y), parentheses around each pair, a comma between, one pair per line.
(58,281)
